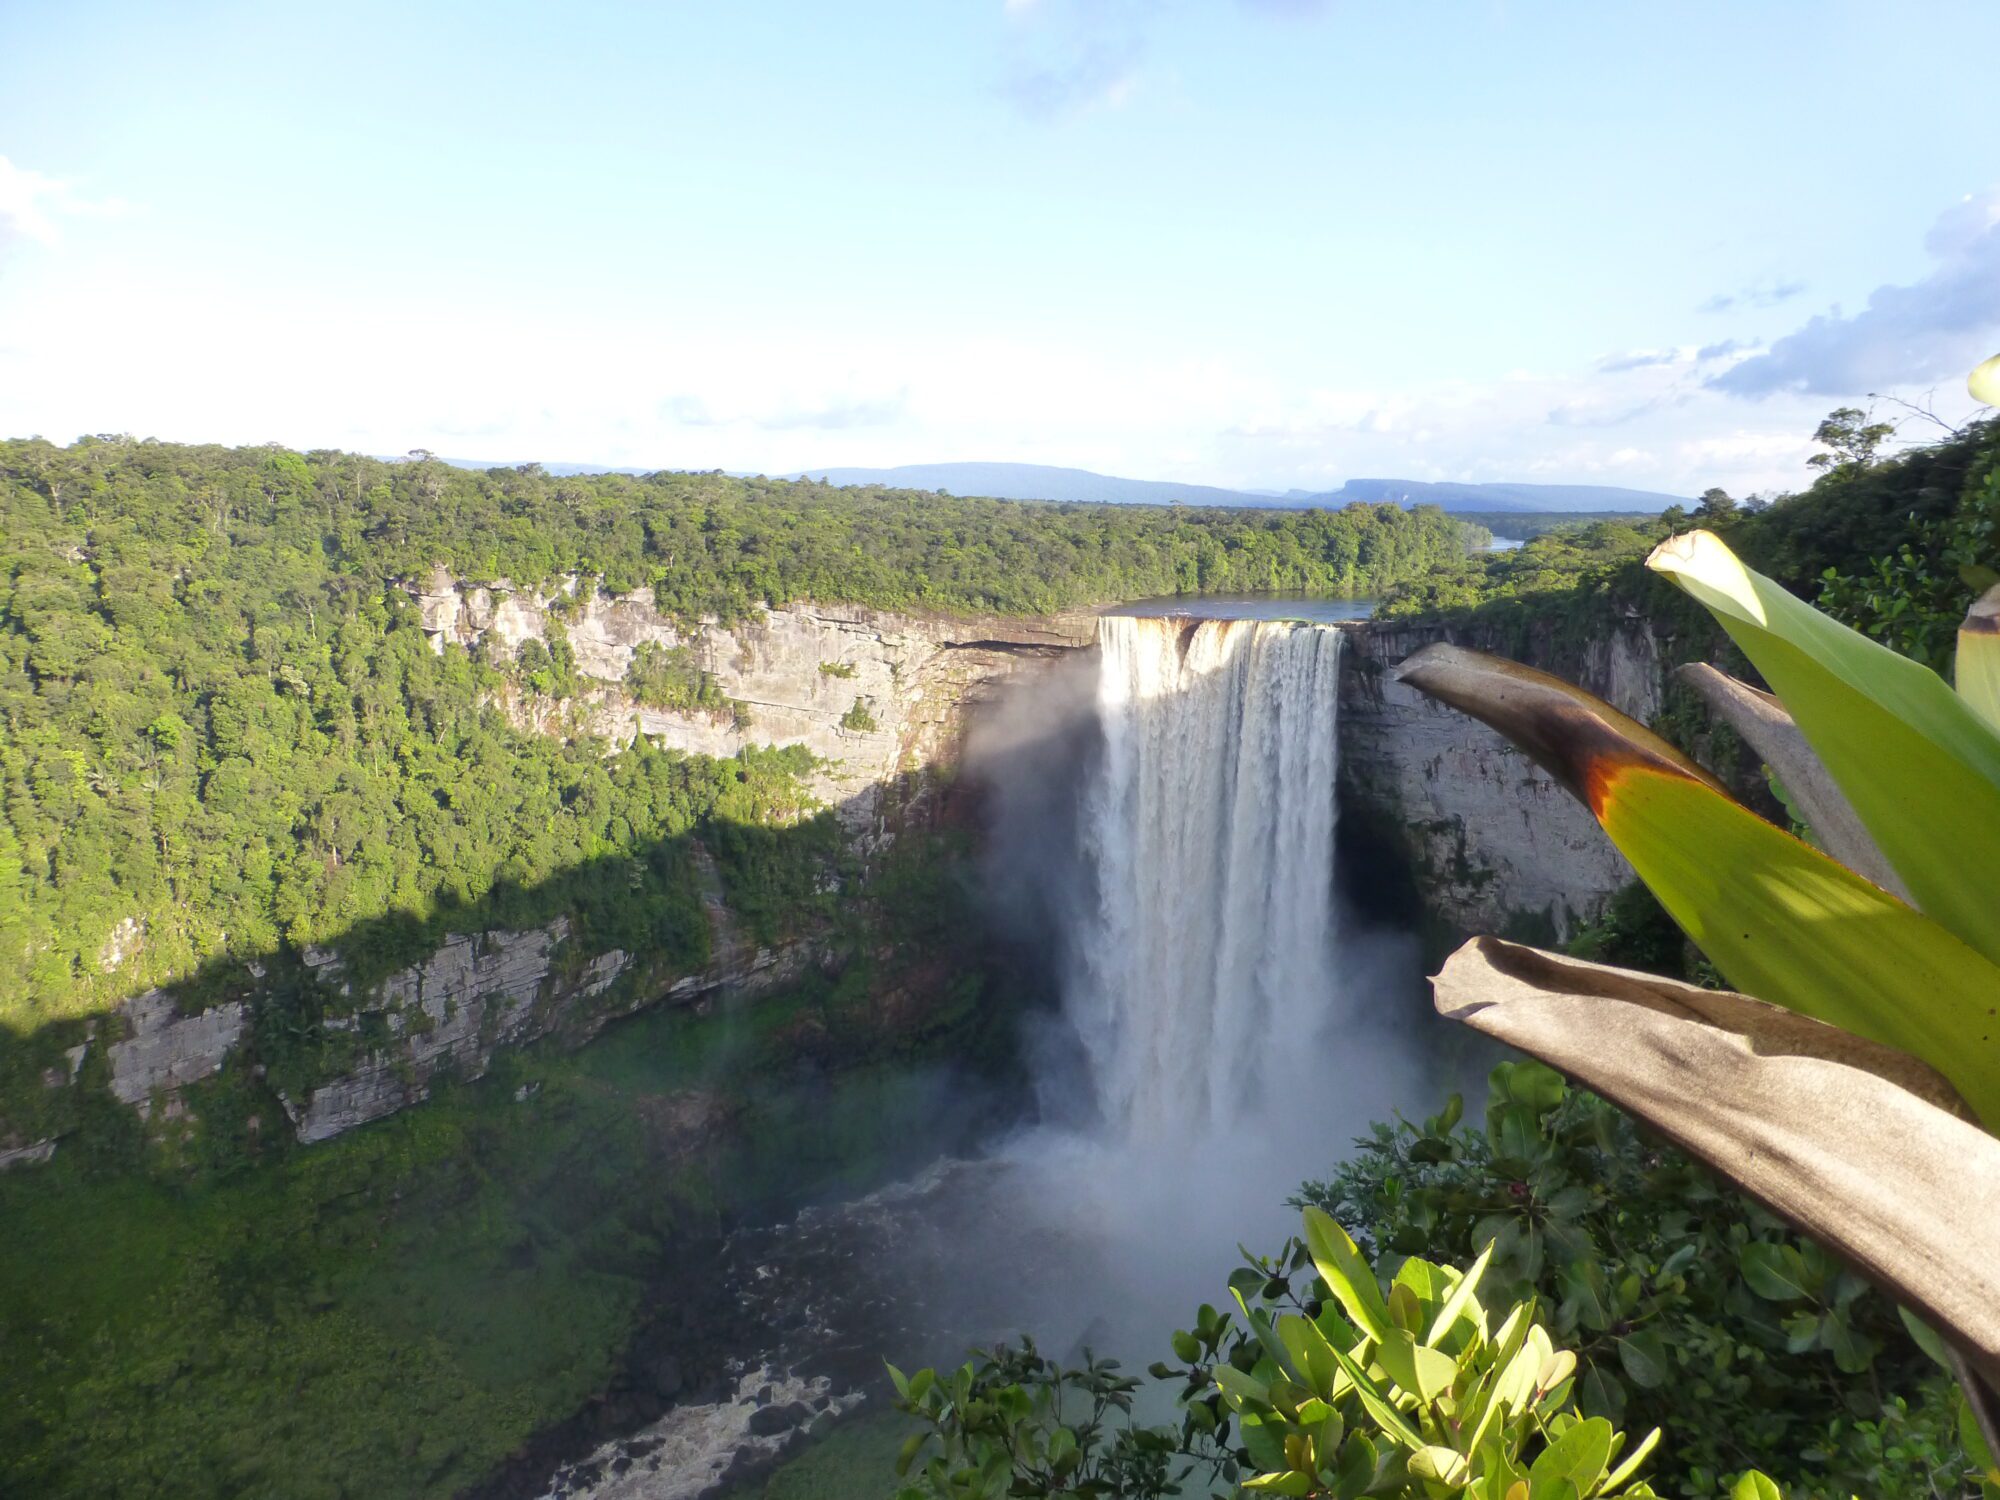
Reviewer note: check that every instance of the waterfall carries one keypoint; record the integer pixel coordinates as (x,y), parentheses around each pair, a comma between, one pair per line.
(1206,952)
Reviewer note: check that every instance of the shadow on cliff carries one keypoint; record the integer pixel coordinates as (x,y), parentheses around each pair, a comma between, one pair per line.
(870,911)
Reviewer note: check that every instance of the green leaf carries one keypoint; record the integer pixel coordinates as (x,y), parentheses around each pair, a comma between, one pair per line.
(1460,1298)
(1644,1357)
(1919,766)
(1926,1338)
(1422,1371)
(1290,1482)
(907,1455)
(1586,1299)
(1377,1405)
(1755,1486)
(1776,1273)
(1601,1394)
(1356,1469)
(1637,1456)
(1347,1275)
(1446,1465)
(1579,1456)
(1238,1387)
(1310,1354)
(1186,1349)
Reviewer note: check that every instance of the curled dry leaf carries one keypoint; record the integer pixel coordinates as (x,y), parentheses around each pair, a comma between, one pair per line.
(1862,1146)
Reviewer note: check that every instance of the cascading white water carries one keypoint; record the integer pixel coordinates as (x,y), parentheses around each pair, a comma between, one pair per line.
(1208,951)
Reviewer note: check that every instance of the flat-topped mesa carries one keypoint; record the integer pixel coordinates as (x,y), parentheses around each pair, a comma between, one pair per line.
(872,693)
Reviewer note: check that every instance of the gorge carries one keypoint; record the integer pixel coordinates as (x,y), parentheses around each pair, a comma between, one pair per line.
(1489,841)
(472,958)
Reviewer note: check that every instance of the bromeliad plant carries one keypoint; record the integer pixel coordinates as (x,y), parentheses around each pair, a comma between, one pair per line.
(1416,1393)
(1858,1092)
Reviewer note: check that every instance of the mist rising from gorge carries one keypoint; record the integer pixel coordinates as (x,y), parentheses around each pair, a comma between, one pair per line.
(1160,843)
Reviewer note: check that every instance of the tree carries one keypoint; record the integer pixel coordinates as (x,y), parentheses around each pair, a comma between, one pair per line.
(1852,438)
(1715,509)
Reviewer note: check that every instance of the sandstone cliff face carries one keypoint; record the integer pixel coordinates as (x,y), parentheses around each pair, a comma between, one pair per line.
(917,677)
(799,670)
(1497,845)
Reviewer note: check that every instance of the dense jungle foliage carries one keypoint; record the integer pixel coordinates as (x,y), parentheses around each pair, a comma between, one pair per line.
(219,719)
(1687,1308)
(1896,547)
(393,1313)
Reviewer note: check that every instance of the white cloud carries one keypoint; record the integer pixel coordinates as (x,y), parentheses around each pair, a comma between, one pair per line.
(1936,326)
(1071,57)
(32,206)
(204,359)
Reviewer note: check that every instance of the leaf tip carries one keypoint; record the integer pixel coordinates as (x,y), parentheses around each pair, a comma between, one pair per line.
(1984,382)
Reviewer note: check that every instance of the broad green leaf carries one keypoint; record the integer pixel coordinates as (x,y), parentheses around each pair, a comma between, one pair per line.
(1787,924)
(1310,1354)
(1925,1337)
(1378,1405)
(1461,1296)
(1644,1356)
(1446,1465)
(1291,1482)
(1755,1486)
(1630,1466)
(1586,1299)
(1238,1387)
(1422,1371)
(1580,1456)
(1356,1469)
(1347,1275)
(1263,1440)
(1978,668)
(1601,1394)
(1775,1272)
(1919,766)
(1781,920)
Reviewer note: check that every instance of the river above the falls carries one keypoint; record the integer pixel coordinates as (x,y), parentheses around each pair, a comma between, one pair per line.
(1315,608)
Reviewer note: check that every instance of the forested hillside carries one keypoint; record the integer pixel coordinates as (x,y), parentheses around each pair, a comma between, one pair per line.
(221,727)
(1897,547)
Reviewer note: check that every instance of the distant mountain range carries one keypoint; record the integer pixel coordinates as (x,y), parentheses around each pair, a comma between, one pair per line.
(1043,482)
(1046,482)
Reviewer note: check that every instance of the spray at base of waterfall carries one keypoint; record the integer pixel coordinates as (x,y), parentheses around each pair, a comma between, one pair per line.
(1162,837)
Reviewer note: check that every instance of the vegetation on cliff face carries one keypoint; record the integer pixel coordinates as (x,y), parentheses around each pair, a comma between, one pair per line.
(226,736)
(394,1312)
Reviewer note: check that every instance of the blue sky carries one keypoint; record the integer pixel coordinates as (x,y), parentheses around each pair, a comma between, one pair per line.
(1245,242)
